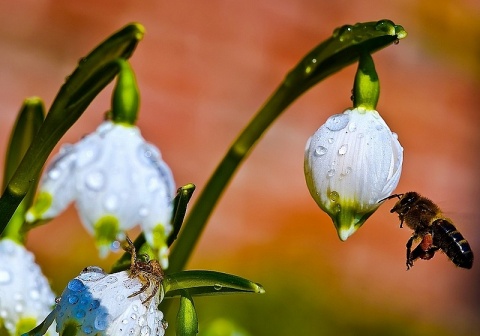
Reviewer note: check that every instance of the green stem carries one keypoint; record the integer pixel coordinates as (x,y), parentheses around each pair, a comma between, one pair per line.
(342,49)
(366,88)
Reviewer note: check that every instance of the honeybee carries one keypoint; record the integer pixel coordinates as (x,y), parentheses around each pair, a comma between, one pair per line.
(435,230)
(149,272)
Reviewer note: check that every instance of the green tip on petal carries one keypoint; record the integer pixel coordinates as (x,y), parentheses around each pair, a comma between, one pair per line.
(106,230)
(125,97)
(348,217)
(25,324)
(41,205)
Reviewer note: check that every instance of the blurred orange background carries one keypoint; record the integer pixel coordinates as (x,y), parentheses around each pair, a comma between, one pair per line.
(203,69)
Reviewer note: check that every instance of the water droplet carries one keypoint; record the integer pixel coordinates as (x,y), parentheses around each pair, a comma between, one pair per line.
(337,122)
(80,313)
(34,294)
(153,183)
(360,135)
(343,149)
(352,127)
(54,174)
(347,171)
(99,287)
(18,307)
(330,173)
(320,151)
(73,299)
(337,208)
(111,279)
(110,203)
(334,196)
(342,32)
(133,316)
(142,321)
(145,330)
(76,285)
(95,180)
(135,308)
(94,304)
(125,321)
(395,135)
(217,287)
(5,277)
(101,321)
(143,211)
(92,273)
(386,26)
(331,140)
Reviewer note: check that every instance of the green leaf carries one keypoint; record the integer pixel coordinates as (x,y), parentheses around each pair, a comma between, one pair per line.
(42,328)
(93,73)
(208,283)
(28,122)
(184,194)
(187,322)
(342,49)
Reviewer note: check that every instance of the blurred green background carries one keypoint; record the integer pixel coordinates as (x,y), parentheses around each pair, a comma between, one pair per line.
(203,69)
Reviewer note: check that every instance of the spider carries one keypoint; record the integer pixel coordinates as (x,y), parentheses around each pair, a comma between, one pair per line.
(147,271)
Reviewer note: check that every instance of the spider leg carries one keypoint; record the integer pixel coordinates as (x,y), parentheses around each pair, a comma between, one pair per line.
(142,289)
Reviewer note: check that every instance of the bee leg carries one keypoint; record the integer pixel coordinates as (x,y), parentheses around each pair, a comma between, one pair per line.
(409,251)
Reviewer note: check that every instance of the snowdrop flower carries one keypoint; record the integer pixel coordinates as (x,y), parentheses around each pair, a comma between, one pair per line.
(25,295)
(351,163)
(117,180)
(97,303)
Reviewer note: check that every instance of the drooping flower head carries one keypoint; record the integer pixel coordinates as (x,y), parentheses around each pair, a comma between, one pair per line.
(25,295)
(352,162)
(97,303)
(117,180)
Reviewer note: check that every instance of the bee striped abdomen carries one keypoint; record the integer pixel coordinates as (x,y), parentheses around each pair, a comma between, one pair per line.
(449,240)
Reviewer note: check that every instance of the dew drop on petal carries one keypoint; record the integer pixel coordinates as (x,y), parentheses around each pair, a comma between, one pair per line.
(343,150)
(53,174)
(80,313)
(73,299)
(95,180)
(142,321)
(330,140)
(111,279)
(337,122)
(110,203)
(145,330)
(94,304)
(352,127)
(320,151)
(5,277)
(360,135)
(337,208)
(133,316)
(101,321)
(92,273)
(395,135)
(87,329)
(76,285)
(18,307)
(333,196)
(143,211)
(330,173)
(34,294)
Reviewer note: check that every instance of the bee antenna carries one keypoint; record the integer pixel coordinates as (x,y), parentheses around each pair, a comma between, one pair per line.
(390,197)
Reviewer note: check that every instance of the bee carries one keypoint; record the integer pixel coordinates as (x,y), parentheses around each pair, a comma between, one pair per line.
(149,272)
(435,230)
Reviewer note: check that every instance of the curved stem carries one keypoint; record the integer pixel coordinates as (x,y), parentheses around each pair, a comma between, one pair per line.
(342,49)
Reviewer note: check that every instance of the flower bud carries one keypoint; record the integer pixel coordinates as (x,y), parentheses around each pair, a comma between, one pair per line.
(352,162)
(117,180)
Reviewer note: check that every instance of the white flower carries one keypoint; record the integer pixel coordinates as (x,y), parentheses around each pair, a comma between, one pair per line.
(96,303)
(352,162)
(25,295)
(117,180)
